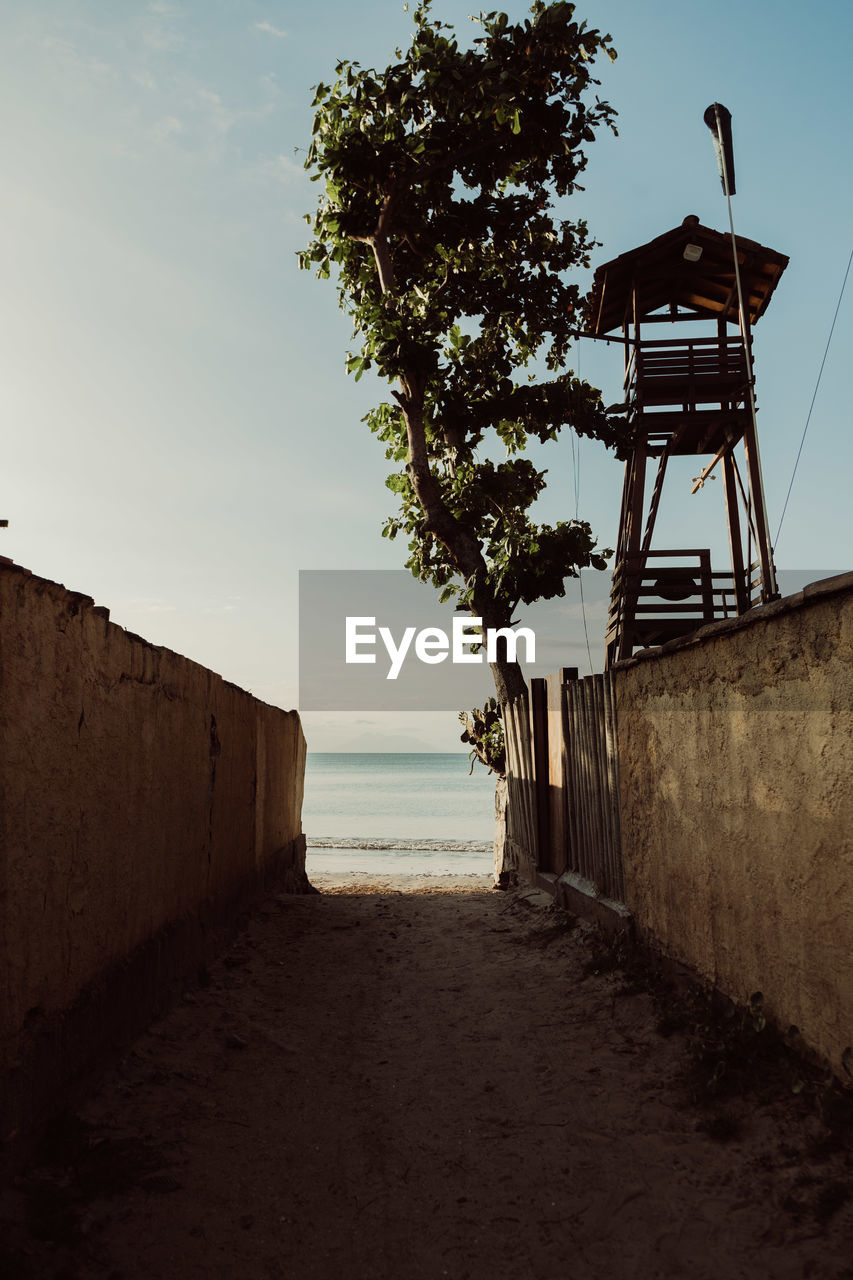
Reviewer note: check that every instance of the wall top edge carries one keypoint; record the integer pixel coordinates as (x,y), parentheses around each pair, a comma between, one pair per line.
(79,602)
(840,584)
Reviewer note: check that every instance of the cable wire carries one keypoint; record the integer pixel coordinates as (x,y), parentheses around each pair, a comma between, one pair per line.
(814,397)
(576,449)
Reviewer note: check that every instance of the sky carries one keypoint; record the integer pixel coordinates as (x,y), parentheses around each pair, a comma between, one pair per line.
(180,437)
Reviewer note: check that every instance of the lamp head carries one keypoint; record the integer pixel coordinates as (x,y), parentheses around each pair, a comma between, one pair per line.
(719,120)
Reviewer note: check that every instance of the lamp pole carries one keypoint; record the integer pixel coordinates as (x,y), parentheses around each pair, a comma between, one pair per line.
(719,120)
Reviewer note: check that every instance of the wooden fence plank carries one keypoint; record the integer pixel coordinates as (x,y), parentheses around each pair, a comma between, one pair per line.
(591,754)
(613,788)
(556,792)
(568,778)
(606,877)
(522,711)
(563,779)
(584,783)
(539,726)
(520,781)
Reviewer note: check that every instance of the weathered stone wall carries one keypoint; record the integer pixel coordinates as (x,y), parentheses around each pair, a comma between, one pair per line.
(737,806)
(143,800)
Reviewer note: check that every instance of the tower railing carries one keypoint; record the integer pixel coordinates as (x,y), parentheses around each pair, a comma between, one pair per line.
(653,599)
(686,372)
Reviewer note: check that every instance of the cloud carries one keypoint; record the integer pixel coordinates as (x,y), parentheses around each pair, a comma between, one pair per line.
(156,37)
(212,107)
(269,84)
(158,33)
(165,128)
(271,30)
(218,117)
(145,79)
(148,604)
(67,56)
(283,169)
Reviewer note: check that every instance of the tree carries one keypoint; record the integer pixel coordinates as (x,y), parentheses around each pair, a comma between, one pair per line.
(440,174)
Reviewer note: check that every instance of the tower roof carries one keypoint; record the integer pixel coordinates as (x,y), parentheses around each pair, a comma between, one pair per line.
(690,267)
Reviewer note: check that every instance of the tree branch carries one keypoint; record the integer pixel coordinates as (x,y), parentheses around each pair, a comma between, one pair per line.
(381,248)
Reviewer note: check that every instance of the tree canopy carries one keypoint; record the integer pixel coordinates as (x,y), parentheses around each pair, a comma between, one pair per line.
(437,217)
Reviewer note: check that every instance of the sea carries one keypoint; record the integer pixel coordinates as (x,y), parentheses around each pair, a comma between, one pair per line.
(394,813)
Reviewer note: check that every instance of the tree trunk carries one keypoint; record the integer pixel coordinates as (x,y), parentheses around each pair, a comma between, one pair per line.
(519,853)
(510,685)
(501,852)
(509,681)
(466,555)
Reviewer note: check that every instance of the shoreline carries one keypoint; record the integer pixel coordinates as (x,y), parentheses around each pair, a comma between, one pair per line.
(358,883)
(398,863)
(403,844)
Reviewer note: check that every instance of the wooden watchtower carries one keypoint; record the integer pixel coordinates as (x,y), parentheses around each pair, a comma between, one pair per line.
(686,395)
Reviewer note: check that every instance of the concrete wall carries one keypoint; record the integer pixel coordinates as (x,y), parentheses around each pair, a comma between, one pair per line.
(737,806)
(142,800)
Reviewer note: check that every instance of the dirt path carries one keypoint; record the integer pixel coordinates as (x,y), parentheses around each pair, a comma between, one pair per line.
(415,1086)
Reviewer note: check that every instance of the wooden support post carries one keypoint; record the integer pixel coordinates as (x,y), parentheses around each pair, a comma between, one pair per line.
(558,822)
(655,501)
(573,693)
(735,536)
(593,781)
(527,784)
(762,529)
(599,743)
(585,779)
(539,736)
(617,889)
(569,676)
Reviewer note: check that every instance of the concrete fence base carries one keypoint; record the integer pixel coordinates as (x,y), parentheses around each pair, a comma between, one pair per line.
(734,808)
(736,765)
(144,803)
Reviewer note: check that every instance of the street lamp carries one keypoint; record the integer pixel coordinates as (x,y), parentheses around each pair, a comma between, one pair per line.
(719,120)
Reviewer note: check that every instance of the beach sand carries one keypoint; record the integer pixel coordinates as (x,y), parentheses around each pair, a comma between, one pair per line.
(357,882)
(425,1078)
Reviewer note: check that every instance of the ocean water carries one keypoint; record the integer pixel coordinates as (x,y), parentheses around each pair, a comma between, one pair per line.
(398,813)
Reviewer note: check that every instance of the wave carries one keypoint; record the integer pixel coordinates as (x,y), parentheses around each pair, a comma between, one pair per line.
(414,846)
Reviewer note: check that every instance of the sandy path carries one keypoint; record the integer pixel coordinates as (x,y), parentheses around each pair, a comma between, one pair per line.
(415,1086)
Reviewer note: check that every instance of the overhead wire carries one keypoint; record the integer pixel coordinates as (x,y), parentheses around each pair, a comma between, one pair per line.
(814,396)
(576,467)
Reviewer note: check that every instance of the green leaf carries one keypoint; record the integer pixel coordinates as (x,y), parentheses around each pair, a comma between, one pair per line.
(425,172)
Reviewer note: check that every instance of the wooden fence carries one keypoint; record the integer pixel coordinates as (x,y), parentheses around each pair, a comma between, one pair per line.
(521,852)
(563,778)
